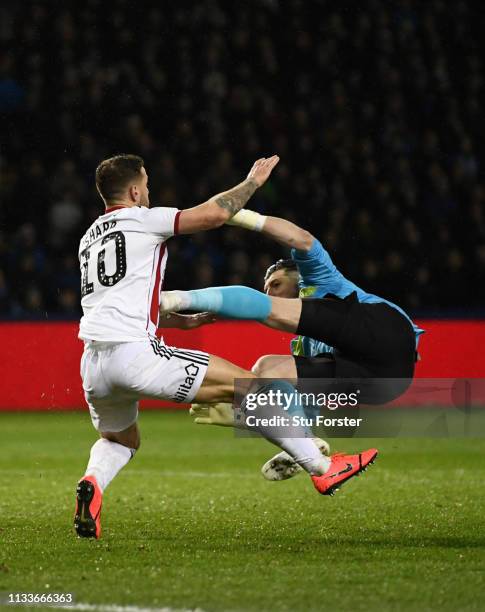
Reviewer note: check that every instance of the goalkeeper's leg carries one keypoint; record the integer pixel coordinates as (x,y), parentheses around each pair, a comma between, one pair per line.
(281,466)
(218,386)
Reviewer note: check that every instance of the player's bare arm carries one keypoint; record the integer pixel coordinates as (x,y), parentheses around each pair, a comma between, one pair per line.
(285,232)
(223,206)
(176,320)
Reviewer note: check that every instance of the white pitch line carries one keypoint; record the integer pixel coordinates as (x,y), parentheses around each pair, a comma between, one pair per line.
(116,608)
(164,473)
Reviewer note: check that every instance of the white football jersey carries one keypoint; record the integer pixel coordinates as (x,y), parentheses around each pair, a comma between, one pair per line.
(123,257)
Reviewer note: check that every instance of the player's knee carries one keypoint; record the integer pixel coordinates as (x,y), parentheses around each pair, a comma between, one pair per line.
(129,438)
(285,314)
(265,366)
(260,366)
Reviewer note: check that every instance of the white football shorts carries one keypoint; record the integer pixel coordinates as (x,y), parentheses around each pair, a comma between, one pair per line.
(116,375)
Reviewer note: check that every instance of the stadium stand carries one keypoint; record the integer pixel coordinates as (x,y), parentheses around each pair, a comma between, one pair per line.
(380,159)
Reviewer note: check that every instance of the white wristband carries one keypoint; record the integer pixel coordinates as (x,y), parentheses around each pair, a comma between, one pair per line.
(249,219)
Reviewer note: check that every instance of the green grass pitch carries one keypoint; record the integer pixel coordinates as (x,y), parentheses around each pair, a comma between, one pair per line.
(190,523)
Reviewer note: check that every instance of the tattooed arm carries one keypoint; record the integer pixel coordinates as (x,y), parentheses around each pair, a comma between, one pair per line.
(221,207)
(234,199)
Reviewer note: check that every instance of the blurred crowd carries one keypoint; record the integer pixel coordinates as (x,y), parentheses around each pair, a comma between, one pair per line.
(373,107)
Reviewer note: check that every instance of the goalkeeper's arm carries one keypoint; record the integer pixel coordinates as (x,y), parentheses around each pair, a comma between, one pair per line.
(283,231)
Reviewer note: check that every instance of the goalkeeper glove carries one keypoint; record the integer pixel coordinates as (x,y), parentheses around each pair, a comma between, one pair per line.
(216,414)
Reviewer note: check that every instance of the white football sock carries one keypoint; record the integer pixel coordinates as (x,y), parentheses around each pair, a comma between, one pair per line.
(305,452)
(298,441)
(106,460)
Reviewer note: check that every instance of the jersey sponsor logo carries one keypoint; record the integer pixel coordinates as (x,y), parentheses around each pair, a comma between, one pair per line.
(307,291)
(191,370)
(297,346)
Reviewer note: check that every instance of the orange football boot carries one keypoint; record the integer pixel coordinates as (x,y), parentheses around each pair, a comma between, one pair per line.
(89,499)
(342,468)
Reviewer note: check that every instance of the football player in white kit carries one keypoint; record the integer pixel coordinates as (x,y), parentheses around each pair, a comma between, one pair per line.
(123,257)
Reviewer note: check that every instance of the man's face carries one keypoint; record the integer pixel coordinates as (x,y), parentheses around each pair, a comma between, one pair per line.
(281,284)
(144,199)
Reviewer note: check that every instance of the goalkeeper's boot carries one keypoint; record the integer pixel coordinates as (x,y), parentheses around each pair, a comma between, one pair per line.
(343,468)
(87,519)
(282,466)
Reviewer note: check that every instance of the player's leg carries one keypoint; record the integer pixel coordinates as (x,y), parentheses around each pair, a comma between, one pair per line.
(218,386)
(276,366)
(328,474)
(111,453)
(213,403)
(237,302)
(322,319)
(282,466)
(114,416)
(114,413)
(178,374)
(206,412)
(365,331)
(280,313)
(218,382)
(107,458)
(129,437)
(187,375)
(361,333)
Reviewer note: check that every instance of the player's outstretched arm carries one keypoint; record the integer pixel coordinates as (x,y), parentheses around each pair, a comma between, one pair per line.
(314,263)
(221,207)
(283,231)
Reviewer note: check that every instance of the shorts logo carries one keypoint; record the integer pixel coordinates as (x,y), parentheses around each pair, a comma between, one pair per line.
(191,370)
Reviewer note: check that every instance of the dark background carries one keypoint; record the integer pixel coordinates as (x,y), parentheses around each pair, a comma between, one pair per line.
(375,108)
